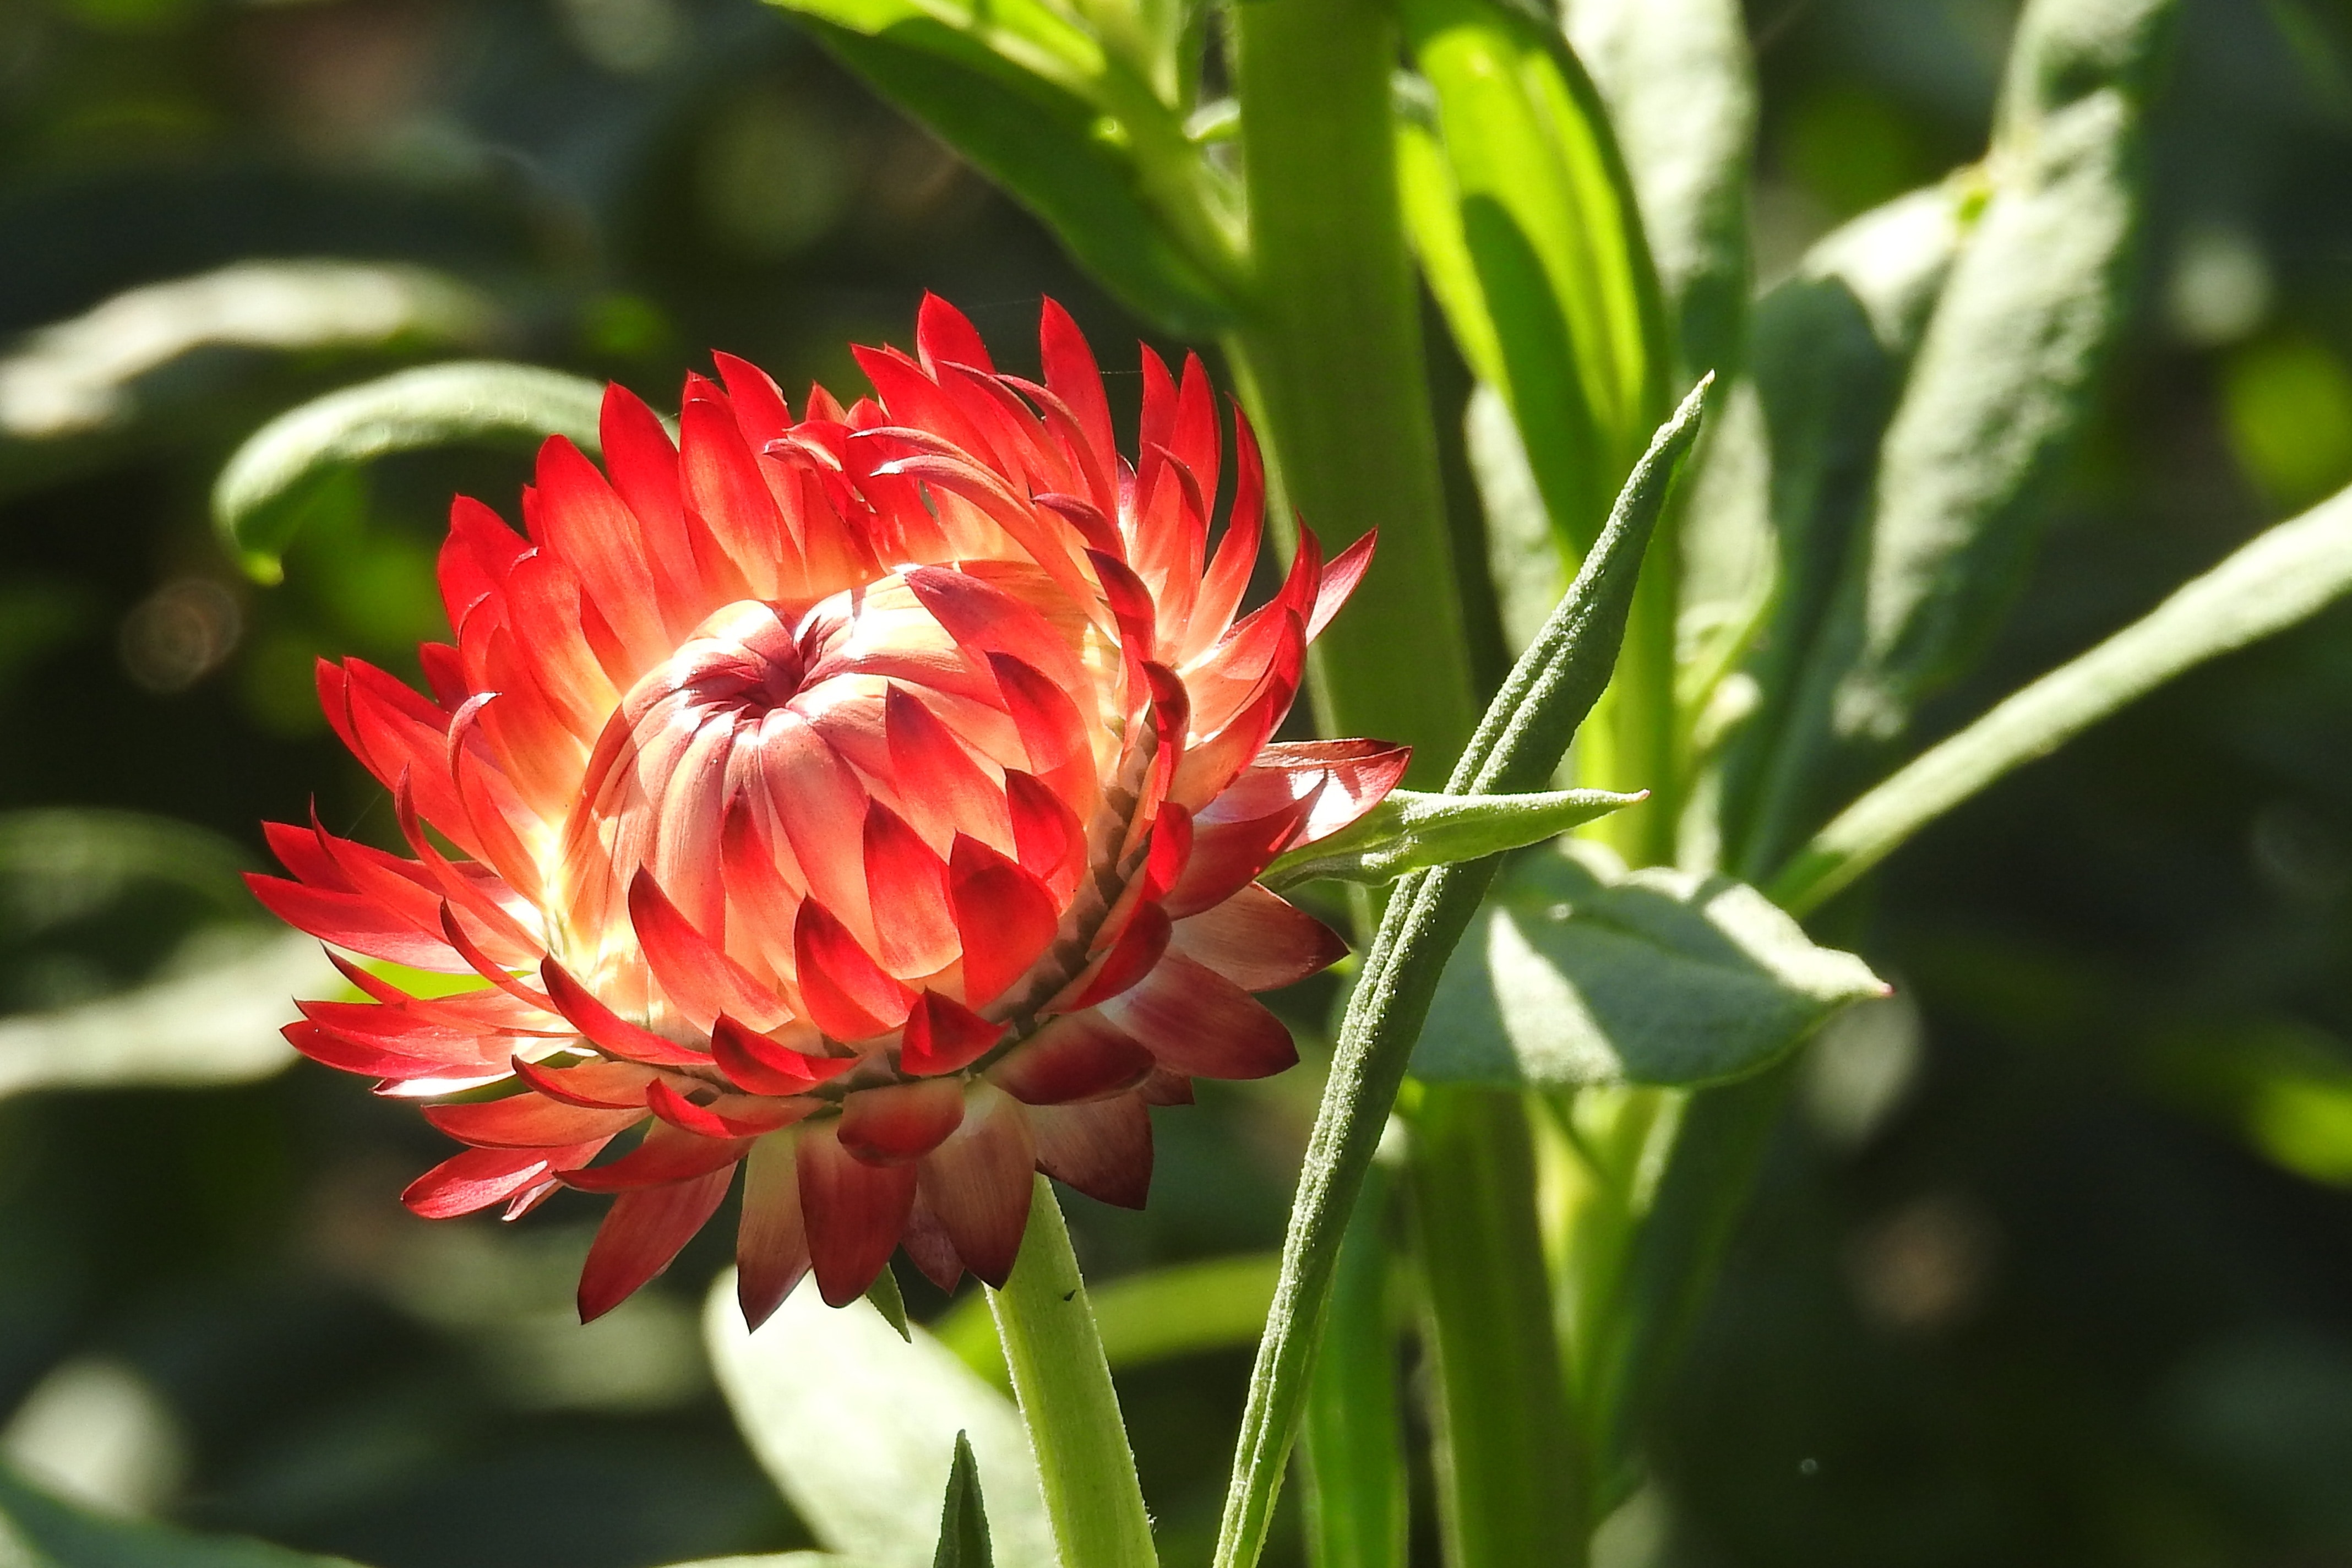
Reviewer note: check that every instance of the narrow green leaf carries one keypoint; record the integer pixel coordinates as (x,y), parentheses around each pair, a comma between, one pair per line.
(1580,972)
(963,1516)
(1510,1489)
(211,1018)
(263,496)
(1680,84)
(1411,831)
(82,375)
(1084,1464)
(1520,740)
(1186,1308)
(2286,574)
(1352,1448)
(1105,165)
(856,1426)
(38,1530)
(65,863)
(882,1295)
(1527,225)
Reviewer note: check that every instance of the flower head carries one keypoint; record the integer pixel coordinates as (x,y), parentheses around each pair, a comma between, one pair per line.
(871,800)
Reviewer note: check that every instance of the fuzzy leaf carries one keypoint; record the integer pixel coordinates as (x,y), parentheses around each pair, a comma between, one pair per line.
(1157,1315)
(1411,831)
(1680,84)
(267,491)
(883,1296)
(1580,972)
(856,1426)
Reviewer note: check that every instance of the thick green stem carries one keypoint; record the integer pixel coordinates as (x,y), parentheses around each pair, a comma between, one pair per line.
(1509,1476)
(1330,355)
(1047,1328)
(1352,1448)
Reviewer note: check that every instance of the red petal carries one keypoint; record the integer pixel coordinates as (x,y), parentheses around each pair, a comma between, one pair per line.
(943,1036)
(944,335)
(907,885)
(1102,1148)
(528,1122)
(331,1047)
(607,1029)
(925,1242)
(1071,373)
(1077,1057)
(765,1065)
(846,993)
(1258,941)
(665,1154)
(641,1234)
(1339,579)
(594,1086)
(480,1177)
(727,1116)
(702,980)
(978,1183)
(771,1249)
(1139,948)
(1046,833)
(855,1212)
(350,920)
(900,1122)
(1200,1024)
(1005,917)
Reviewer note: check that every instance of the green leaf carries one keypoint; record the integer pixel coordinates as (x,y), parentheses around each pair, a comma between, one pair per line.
(884,1298)
(38,1530)
(1411,831)
(1527,226)
(1158,1315)
(2286,574)
(1521,739)
(963,1516)
(1799,446)
(211,1018)
(1680,84)
(60,863)
(856,1426)
(1029,99)
(267,490)
(2000,385)
(1580,972)
(82,375)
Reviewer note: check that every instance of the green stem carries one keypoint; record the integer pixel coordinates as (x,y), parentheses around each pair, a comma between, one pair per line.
(1509,1476)
(1330,356)
(1063,1383)
(1352,1448)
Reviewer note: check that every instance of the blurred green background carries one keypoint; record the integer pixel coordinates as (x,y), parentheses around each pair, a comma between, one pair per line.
(2054,1260)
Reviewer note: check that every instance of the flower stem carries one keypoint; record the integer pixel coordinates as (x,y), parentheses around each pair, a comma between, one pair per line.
(1063,1383)
(1329,356)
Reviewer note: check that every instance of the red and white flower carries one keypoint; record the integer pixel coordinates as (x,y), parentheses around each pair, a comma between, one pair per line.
(871,800)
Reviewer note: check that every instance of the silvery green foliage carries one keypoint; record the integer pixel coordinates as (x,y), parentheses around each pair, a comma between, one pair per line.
(1411,831)
(1680,85)
(1580,972)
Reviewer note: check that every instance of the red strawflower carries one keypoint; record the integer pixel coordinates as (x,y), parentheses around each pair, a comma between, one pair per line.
(870,800)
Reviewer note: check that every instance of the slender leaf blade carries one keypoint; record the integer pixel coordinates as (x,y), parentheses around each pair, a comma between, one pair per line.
(1351,1447)
(263,495)
(1185,1309)
(2285,576)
